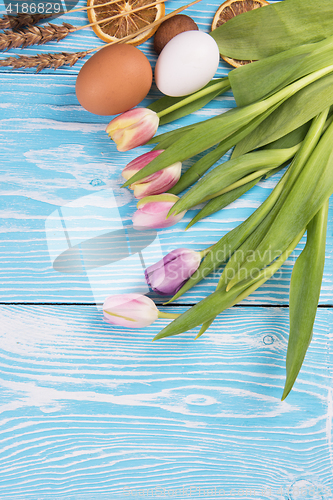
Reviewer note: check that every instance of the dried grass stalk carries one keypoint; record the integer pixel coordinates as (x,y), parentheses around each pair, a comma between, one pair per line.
(42,61)
(34,35)
(21,20)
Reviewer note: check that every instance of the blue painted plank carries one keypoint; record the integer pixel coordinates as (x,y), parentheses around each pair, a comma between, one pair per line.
(53,154)
(85,39)
(92,411)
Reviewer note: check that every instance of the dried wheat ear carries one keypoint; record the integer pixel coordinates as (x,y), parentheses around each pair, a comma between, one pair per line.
(42,61)
(39,35)
(34,35)
(8,22)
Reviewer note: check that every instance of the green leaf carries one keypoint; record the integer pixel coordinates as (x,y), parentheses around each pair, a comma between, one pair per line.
(310,190)
(294,112)
(266,213)
(231,241)
(222,201)
(275,28)
(197,170)
(170,136)
(252,82)
(208,308)
(227,173)
(305,288)
(205,135)
(210,132)
(203,311)
(203,164)
(291,139)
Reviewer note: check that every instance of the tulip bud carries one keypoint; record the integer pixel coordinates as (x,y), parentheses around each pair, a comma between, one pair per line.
(157,183)
(130,310)
(133,128)
(169,274)
(153,210)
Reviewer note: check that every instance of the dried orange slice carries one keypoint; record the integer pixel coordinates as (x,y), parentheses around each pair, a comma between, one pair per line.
(129,16)
(230,9)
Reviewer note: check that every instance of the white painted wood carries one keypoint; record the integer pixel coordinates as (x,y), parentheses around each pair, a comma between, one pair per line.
(52,153)
(88,409)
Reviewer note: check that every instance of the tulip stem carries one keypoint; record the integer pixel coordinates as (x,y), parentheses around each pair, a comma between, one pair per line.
(162,315)
(239,183)
(222,84)
(203,253)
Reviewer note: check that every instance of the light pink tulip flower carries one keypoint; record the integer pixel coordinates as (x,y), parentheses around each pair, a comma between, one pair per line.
(131,310)
(157,183)
(153,210)
(133,128)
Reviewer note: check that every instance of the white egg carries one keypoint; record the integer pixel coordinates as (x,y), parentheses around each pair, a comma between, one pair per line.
(187,63)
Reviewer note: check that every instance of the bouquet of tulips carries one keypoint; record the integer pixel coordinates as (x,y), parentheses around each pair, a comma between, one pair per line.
(283,117)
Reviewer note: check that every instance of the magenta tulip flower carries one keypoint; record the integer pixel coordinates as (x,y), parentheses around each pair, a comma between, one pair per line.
(157,183)
(132,310)
(153,210)
(133,128)
(169,274)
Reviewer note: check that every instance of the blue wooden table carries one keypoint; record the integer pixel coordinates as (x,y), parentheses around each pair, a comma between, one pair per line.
(91,411)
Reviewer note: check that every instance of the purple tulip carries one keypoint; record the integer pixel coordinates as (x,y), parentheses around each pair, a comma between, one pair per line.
(157,183)
(169,274)
(153,210)
(133,128)
(130,310)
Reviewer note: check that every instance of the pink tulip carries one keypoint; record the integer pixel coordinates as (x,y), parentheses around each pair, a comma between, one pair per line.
(153,210)
(130,310)
(133,128)
(157,183)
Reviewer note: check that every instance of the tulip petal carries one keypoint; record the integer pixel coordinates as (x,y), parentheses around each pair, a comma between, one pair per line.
(153,210)
(131,310)
(145,220)
(168,275)
(158,184)
(133,128)
(140,162)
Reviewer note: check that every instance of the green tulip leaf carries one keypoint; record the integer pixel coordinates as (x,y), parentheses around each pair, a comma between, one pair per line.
(222,201)
(227,173)
(203,164)
(274,28)
(232,240)
(312,187)
(305,288)
(207,309)
(252,82)
(210,132)
(293,113)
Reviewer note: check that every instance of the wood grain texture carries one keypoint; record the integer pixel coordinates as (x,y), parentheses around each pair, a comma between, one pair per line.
(52,153)
(89,411)
(92,411)
(85,39)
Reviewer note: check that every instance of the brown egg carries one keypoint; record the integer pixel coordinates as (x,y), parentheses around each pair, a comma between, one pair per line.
(170,28)
(114,80)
